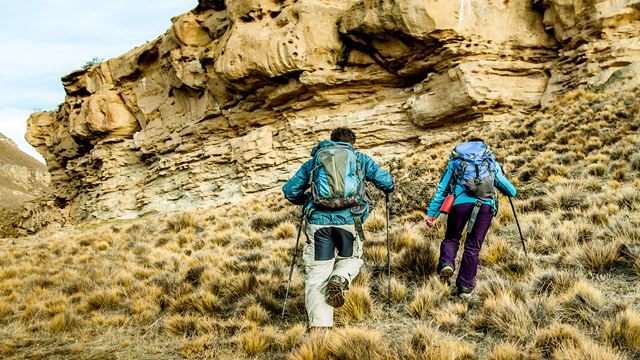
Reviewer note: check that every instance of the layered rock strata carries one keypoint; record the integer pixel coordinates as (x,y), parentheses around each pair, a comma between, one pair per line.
(22,177)
(230,100)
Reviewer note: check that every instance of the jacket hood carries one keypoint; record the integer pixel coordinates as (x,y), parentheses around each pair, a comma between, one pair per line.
(327,143)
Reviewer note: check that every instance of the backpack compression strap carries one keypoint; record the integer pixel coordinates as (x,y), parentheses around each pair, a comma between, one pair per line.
(357,210)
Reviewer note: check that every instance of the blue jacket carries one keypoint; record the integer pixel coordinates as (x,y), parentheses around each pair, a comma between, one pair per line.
(294,189)
(501,183)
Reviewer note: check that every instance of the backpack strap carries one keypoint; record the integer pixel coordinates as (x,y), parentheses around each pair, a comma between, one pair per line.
(358,210)
(474,215)
(357,220)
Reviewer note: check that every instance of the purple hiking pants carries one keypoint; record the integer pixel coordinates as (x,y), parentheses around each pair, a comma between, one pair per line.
(458,218)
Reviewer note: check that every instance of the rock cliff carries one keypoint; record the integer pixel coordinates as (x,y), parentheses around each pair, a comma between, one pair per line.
(22,177)
(229,101)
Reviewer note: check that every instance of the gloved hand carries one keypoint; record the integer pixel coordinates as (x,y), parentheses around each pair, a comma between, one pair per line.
(430,221)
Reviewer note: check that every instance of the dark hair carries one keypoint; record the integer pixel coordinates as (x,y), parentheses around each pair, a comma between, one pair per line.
(475,139)
(343,134)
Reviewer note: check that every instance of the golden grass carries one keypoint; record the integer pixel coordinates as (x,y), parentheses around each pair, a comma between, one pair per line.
(211,284)
(357,306)
(353,343)
(505,316)
(495,250)
(589,351)
(427,343)
(547,340)
(405,237)
(285,230)
(398,289)
(417,261)
(427,298)
(624,330)
(506,351)
(375,223)
(448,316)
(595,256)
(580,305)
(256,313)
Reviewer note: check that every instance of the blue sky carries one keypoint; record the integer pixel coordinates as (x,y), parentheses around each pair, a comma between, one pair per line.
(42,41)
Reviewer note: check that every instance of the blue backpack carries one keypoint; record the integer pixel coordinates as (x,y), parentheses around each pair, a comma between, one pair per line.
(336,180)
(474,166)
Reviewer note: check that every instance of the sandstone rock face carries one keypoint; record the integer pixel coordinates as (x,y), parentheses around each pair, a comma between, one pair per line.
(229,102)
(598,37)
(22,177)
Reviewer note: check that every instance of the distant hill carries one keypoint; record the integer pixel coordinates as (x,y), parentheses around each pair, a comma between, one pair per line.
(21,176)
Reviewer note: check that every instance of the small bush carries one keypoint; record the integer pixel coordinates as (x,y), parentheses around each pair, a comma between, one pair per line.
(495,252)
(315,348)
(293,337)
(182,221)
(417,261)
(375,223)
(357,306)
(182,325)
(427,343)
(64,322)
(506,351)
(596,256)
(546,341)
(284,230)
(624,330)
(255,313)
(580,305)
(427,298)
(504,316)
(398,289)
(358,343)
(564,198)
(104,300)
(257,340)
(404,237)
(553,282)
(589,351)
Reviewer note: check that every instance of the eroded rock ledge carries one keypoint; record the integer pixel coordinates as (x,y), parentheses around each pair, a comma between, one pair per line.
(228,102)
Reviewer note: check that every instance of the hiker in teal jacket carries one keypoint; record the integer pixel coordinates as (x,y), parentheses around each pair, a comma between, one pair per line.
(294,189)
(332,253)
(502,184)
(468,210)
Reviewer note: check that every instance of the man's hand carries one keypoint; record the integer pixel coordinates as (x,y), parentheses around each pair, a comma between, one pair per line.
(430,221)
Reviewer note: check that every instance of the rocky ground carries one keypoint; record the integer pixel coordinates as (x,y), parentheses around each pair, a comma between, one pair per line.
(210,284)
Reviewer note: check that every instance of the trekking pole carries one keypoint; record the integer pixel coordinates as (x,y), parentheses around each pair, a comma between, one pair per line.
(293,262)
(515,216)
(388,255)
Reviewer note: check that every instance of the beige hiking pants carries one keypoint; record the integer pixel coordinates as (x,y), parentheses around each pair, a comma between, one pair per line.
(329,250)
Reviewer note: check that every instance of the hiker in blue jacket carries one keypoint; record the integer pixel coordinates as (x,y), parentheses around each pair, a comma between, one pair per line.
(333,249)
(471,167)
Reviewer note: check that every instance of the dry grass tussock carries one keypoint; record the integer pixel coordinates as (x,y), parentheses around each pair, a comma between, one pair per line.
(210,284)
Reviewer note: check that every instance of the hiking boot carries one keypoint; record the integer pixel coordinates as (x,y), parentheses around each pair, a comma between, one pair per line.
(445,274)
(336,291)
(464,292)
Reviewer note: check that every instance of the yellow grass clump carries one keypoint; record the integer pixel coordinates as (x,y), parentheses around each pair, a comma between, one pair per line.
(357,306)
(624,330)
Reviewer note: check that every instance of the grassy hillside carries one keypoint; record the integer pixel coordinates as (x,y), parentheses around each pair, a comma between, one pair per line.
(211,284)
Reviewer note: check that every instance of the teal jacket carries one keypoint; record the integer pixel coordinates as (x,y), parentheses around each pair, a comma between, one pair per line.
(501,183)
(295,189)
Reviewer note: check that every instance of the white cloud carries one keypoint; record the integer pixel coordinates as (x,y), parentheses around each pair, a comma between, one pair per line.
(13,124)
